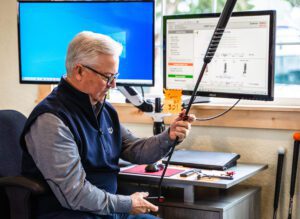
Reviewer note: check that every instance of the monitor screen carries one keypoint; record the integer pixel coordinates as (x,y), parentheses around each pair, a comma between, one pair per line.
(46,29)
(243,65)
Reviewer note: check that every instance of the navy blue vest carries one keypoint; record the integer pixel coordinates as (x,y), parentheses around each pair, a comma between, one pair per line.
(98,138)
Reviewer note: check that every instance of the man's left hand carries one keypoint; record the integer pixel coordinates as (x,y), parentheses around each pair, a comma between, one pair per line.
(181,126)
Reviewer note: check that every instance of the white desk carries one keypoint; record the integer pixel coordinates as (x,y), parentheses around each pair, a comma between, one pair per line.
(242,172)
(222,199)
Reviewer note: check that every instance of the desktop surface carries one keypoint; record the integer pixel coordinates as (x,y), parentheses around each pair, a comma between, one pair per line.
(242,171)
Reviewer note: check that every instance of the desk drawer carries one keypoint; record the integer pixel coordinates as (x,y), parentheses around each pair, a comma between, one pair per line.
(185,213)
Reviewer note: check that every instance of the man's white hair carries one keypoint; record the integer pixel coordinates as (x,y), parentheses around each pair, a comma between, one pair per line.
(87,45)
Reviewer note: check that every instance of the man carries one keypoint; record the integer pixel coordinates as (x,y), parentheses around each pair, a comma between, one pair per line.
(73,139)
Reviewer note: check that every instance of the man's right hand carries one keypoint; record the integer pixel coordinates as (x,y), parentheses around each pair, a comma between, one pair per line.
(140,205)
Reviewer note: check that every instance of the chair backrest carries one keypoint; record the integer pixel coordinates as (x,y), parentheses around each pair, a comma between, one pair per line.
(11,126)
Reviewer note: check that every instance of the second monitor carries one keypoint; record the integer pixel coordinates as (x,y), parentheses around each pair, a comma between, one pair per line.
(243,66)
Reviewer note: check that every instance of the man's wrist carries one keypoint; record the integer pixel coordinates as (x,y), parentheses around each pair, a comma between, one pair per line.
(165,137)
(122,203)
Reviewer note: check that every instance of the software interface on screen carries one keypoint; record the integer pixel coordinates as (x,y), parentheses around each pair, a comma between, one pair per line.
(46,28)
(240,64)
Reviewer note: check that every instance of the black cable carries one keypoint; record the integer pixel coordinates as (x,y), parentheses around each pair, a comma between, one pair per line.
(219,115)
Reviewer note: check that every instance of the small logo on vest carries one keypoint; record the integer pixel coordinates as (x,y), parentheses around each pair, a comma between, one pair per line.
(110,130)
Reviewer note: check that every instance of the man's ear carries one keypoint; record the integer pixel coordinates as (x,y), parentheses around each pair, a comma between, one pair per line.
(78,72)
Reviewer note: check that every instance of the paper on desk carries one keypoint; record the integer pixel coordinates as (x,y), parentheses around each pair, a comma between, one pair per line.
(140,169)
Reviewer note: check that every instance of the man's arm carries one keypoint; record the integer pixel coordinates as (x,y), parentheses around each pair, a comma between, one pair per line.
(149,150)
(144,150)
(52,147)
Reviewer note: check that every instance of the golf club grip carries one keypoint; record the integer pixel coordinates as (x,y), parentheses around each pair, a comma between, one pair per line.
(278,177)
(294,172)
(294,168)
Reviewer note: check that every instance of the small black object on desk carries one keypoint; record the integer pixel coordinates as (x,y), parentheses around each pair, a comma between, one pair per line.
(190,172)
(155,167)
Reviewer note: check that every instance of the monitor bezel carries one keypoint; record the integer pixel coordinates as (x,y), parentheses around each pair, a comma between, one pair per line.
(271,64)
(21,81)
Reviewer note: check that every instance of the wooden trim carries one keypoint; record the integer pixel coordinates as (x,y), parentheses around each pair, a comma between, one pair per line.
(266,117)
(273,117)
(43,91)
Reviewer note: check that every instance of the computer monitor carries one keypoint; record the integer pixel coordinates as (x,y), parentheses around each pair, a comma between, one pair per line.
(243,65)
(46,28)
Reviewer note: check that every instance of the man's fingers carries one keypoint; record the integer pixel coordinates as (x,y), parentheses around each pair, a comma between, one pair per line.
(180,135)
(191,118)
(182,130)
(141,205)
(182,116)
(152,207)
(183,124)
(144,194)
(149,206)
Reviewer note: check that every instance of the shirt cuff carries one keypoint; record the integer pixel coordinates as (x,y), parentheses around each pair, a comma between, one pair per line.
(165,140)
(122,203)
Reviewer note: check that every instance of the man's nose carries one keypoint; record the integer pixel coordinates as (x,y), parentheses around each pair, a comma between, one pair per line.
(113,84)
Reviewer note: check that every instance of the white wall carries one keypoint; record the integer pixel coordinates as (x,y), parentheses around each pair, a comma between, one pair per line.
(13,95)
(254,145)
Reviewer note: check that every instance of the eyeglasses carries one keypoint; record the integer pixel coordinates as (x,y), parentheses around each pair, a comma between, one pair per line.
(109,80)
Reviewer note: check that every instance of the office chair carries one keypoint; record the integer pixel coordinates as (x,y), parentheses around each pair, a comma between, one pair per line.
(15,190)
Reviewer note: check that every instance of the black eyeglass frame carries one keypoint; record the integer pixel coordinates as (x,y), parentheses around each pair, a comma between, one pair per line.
(109,80)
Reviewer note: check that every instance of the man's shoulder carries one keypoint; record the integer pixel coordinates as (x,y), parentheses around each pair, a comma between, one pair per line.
(51,107)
